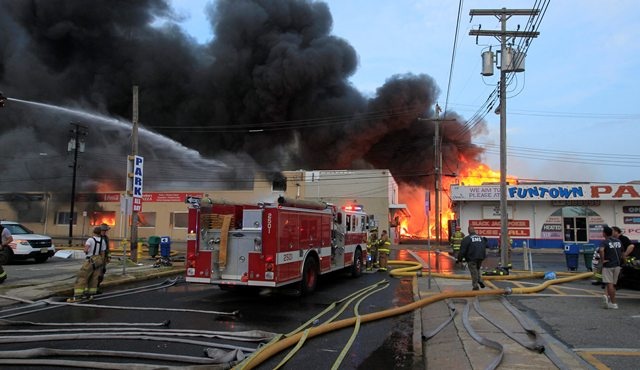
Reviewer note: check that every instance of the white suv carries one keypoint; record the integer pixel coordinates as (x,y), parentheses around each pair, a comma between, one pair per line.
(26,244)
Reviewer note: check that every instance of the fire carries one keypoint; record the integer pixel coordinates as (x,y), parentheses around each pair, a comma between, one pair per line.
(416,226)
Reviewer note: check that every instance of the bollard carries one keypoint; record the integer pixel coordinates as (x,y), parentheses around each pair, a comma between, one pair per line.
(124,243)
(139,252)
(525,255)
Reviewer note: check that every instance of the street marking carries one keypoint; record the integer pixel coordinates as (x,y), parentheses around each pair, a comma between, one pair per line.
(589,354)
(516,283)
(557,290)
(490,284)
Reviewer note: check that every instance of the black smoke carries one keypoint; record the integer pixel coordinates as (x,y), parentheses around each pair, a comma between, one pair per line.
(270,92)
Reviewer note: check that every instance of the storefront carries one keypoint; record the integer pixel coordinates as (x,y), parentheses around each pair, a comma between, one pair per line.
(550,215)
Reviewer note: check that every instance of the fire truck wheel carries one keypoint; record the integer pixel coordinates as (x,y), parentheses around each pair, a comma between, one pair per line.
(356,268)
(309,276)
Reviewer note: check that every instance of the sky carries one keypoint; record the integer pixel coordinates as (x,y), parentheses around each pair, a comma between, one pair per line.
(571,115)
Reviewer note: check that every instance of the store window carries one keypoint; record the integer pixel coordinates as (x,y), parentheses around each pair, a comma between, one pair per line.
(279,184)
(574,225)
(103,217)
(179,220)
(146,219)
(62,218)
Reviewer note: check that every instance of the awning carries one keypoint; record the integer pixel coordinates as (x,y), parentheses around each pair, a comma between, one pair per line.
(402,208)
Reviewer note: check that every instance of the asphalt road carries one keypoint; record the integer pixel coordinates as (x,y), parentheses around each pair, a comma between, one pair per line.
(381,344)
(571,312)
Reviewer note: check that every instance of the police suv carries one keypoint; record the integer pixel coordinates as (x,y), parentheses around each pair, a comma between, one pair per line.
(27,245)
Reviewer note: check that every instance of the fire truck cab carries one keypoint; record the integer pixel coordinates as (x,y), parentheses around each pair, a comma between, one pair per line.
(273,245)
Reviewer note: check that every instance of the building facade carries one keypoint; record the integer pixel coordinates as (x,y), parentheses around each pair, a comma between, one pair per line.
(164,213)
(550,215)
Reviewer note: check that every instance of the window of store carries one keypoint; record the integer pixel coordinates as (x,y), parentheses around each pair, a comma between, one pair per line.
(147,219)
(574,225)
(62,218)
(100,217)
(279,184)
(179,220)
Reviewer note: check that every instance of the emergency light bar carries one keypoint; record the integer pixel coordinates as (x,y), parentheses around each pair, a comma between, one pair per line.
(356,208)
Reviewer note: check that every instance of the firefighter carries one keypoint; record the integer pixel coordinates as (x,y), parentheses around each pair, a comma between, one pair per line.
(107,257)
(384,249)
(5,250)
(372,249)
(87,278)
(456,240)
(508,264)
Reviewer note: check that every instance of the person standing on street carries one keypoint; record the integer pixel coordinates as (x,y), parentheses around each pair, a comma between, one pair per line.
(5,253)
(372,249)
(611,258)
(455,241)
(630,253)
(87,278)
(473,249)
(384,249)
(105,241)
(624,240)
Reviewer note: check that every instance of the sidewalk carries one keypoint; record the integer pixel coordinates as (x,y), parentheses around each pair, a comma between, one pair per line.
(62,284)
(454,347)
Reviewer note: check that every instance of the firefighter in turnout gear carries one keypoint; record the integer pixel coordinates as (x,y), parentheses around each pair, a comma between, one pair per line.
(105,241)
(87,278)
(5,250)
(456,240)
(372,250)
(384,249)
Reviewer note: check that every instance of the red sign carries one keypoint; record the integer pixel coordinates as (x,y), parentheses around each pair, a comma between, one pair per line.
(516,233)
(137,204)
(169,197)
(491,228)
(496,223)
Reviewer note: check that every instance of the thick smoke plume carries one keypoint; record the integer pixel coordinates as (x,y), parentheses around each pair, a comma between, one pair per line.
(270,92)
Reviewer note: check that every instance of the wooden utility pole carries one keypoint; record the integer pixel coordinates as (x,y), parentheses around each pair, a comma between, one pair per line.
(504,36)
(77,146)
(134,153)
(437,173)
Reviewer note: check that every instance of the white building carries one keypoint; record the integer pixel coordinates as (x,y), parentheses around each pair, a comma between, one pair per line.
(550,215)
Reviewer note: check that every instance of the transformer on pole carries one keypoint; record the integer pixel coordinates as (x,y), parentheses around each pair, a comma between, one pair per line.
(511,61)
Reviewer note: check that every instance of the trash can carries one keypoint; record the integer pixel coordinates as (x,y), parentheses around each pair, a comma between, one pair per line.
(154,244)
(587,251)
(572,254)
(165,246)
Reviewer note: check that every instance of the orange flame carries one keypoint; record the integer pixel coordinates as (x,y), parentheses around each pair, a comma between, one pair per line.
(416,226)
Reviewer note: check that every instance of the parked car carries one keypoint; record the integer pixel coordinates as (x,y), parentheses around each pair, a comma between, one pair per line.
(27,245)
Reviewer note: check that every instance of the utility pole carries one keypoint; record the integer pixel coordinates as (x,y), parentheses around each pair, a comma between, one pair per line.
(437,172)
(134,153)
(76,143)
(508,64)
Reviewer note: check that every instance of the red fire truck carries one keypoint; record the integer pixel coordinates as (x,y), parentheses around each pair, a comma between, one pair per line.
(273,245)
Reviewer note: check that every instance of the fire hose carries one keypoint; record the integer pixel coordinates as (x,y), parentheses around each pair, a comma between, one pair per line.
(276,347)
(360,295)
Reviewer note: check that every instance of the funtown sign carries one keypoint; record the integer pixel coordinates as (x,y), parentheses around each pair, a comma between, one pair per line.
(547,192)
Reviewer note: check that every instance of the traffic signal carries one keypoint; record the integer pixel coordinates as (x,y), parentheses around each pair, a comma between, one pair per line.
(2,100)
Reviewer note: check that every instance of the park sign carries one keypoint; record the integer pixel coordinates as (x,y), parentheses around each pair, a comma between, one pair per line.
(135,180)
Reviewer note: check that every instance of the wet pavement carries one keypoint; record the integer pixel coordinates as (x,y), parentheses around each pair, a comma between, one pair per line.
(441,329)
